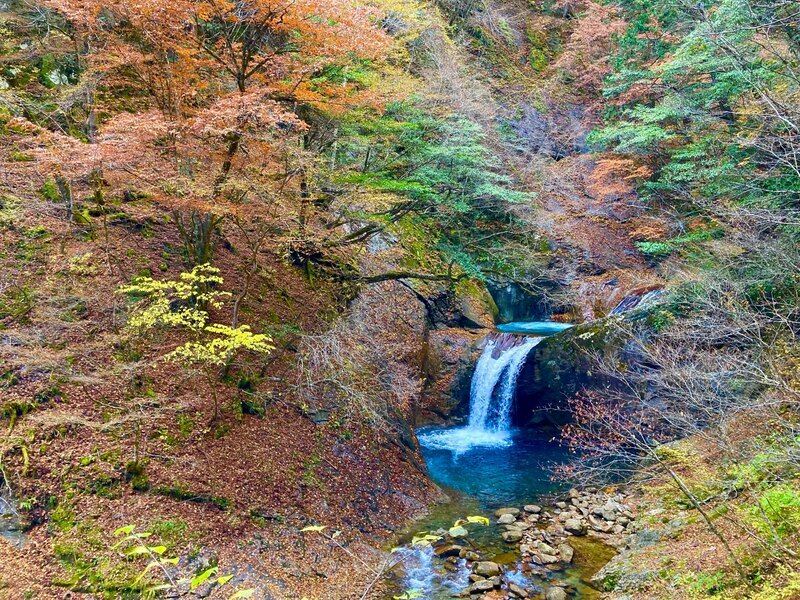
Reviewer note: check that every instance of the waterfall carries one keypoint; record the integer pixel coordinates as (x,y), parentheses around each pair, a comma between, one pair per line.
(490,407)
(491,396)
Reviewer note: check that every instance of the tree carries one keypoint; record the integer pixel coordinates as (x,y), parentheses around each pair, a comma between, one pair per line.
(219,78)
(586,56)
(183,305)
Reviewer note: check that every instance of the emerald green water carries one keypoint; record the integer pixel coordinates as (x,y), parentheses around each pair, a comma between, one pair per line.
(478,482)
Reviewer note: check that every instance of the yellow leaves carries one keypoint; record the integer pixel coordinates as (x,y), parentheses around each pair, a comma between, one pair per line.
(181,304)
(424,539)
(219,350)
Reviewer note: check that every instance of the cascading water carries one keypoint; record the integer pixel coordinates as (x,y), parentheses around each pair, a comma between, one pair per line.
(491,396)
(482,470)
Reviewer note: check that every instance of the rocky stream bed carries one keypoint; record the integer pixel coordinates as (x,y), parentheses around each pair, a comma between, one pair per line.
(550,552)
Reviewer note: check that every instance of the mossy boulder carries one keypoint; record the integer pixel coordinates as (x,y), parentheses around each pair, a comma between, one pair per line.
(51,72)
(476,305)
(559,367)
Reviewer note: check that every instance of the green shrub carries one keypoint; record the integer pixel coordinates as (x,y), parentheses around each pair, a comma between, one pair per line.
(537,59)
(781,505)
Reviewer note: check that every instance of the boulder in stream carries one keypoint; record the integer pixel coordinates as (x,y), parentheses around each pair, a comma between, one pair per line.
(506,519)
(575,527)
(487,568)
(555,593)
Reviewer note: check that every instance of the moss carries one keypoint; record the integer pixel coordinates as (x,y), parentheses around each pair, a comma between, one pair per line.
(170,531)
(49,191)
(104,486)
(56,71)
(19,156)
(63,517)
(136,476)
(15,409)
(537,60)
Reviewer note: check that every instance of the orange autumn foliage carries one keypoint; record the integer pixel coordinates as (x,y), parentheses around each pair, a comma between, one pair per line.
(213,79)
(615,177)
(587,51)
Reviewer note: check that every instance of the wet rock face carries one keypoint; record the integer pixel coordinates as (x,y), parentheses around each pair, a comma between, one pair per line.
(515,304)
(452,353)
(558,368)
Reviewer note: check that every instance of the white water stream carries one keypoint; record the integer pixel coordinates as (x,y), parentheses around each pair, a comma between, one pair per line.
(491,397)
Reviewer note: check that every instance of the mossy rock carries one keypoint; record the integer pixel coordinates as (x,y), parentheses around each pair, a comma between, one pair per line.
(476,305)
(52,73)
(560,366)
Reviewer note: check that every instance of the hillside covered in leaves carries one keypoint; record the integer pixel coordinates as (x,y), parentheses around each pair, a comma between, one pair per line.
(247,248)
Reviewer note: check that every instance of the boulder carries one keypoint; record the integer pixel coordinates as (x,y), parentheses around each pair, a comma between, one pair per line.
(458,532)
(546,548)
(487,568)
(506,519)
(548,559)
(476,306)
(448,550)
(470,555)
(533,509)
(555,593)
(517,591)
(512,536)
(485,585)
(567,552)
(575,526)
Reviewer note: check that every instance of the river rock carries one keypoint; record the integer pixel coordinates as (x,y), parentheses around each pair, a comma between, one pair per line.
(567,552)
(458,532)
(506,519)
(448,550)
(555,593)
(575,527)
(482,586)
(487,568)
(517,591)
(609,511)
(546,559)
(512,536)
(533,509)
(469,555)
(546,548)
(600,525)
(506,511)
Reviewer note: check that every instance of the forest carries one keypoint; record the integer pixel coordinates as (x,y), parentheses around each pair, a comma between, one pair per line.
(396,299)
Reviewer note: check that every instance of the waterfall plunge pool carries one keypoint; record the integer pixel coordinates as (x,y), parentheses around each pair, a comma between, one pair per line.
(486,465)
(514,471)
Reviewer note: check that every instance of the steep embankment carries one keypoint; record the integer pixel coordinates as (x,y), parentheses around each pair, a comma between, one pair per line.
(532,78)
